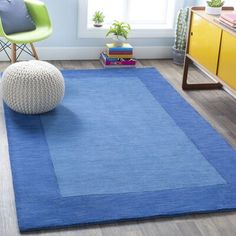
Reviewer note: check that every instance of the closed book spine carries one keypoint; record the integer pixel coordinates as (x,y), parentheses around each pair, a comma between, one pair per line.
(124,47)
(109,59)
(119,56)
(118,62)
(121,49)
(225,25)
(229,17)
(120,53)
(227,22)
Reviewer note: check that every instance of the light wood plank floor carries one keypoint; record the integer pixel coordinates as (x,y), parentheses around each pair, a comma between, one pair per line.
(217,107)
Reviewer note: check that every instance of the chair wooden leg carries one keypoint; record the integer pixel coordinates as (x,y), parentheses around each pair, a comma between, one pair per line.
(13,53)
(34,51)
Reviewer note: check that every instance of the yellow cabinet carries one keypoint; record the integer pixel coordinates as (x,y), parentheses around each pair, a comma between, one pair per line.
(227,61)
(204,42)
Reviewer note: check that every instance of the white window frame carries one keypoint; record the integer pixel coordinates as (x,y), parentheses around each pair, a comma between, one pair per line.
(91,32)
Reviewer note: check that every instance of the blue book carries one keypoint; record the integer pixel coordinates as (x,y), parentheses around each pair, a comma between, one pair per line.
(124,47)
(105,57)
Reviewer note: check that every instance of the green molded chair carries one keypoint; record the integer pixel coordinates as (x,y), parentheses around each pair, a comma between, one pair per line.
(19,41)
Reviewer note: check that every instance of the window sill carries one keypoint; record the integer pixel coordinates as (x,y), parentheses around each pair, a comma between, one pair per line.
(93,32)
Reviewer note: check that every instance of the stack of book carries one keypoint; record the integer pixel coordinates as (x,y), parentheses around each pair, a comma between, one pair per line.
(118,56)
(228,20)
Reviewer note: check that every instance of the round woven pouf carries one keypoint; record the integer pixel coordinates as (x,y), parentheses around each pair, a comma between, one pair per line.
(32,87)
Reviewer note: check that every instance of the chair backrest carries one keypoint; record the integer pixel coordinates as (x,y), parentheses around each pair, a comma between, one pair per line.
(38,12)
(2,33)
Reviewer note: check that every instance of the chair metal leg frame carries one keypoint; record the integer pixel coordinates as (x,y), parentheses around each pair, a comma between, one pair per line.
(25,49)
(17,50)
(4,46)
(204,86)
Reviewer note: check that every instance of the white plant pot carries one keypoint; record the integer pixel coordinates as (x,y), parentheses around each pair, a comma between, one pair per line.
(178,56)
(213,10)
(118,40)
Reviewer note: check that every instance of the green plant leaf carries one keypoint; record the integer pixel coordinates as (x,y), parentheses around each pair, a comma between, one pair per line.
(98,17)
(119,29)
(215,3)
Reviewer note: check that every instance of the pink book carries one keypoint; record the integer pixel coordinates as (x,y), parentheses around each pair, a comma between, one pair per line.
(231,17)
(227,22)
(118,62)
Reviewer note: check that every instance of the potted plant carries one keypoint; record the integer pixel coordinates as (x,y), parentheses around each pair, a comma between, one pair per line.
(214,7)
(119,31)
(179,48)
(98,19)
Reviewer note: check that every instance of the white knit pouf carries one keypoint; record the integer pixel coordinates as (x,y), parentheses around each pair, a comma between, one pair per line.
(32,87)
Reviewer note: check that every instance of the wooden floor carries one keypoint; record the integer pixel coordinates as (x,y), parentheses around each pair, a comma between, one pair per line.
(217,107)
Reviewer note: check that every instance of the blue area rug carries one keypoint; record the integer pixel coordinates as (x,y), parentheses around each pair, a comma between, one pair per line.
(122,145)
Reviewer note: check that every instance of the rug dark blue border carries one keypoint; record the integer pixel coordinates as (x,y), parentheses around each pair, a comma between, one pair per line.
(40,205)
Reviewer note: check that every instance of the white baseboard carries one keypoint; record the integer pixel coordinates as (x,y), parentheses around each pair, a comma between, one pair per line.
(92,53)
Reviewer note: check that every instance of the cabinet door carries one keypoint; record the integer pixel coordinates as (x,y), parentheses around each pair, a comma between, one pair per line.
(204,42)
(227,62)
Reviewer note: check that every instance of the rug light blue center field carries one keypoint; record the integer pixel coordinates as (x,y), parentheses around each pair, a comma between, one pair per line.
(123,145)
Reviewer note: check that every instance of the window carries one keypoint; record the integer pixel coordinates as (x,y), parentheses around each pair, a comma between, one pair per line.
(230,3)
(148,18)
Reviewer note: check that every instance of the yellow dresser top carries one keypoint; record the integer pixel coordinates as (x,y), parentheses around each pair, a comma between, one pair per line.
(201,12)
